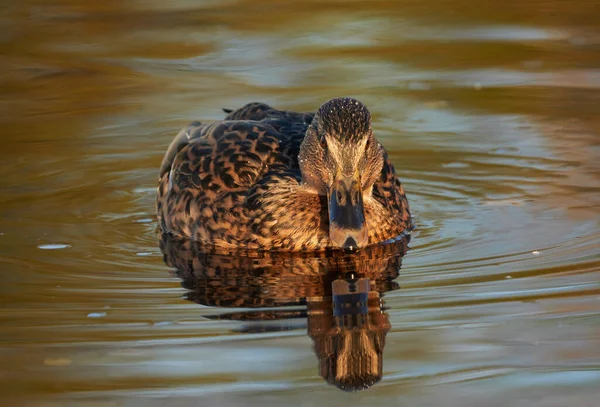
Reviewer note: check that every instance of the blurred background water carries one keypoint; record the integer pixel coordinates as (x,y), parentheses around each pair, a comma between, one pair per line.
(488,110)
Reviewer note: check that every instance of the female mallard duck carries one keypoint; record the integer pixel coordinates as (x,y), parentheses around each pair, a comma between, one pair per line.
(273,179)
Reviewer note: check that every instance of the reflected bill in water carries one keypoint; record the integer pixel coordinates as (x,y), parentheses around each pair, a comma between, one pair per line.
(337,294)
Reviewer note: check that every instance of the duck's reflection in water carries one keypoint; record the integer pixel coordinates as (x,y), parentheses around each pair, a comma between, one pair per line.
(338,293)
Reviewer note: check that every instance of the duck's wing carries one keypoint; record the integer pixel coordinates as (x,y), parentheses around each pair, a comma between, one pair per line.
(290,129)
(225,157)
(389,191)
(291,126)
(252,111)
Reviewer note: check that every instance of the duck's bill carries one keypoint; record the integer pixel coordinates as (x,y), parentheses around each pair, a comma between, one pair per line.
(347,227)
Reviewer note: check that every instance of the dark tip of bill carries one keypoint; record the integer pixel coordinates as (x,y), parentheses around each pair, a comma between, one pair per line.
(350,244)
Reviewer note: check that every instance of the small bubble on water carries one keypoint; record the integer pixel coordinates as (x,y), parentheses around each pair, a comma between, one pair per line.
(53,246)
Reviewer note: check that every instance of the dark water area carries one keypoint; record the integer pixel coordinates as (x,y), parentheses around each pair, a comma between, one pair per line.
(489,113)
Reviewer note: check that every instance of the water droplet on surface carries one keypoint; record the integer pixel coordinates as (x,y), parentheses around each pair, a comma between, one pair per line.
(53,246)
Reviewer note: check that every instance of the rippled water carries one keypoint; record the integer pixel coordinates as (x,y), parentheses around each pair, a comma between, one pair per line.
(489,112)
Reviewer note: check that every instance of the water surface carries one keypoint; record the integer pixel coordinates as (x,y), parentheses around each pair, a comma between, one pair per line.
(490,114)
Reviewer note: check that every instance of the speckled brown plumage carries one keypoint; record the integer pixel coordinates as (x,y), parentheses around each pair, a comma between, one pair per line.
(258,179)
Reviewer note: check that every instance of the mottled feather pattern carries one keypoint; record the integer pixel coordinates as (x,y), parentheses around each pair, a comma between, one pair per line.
(237,184)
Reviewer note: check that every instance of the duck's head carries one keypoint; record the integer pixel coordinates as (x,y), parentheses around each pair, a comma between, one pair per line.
(341,159)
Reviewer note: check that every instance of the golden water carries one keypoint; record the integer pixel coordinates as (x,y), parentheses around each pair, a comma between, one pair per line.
(490,112)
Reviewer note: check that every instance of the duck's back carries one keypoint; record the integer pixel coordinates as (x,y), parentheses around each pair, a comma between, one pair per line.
(289,126)
(211,173)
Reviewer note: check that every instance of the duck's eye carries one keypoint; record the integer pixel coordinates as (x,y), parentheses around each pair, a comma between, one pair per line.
(323,142)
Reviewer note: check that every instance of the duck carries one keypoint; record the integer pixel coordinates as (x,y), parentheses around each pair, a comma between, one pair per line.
(281,180)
